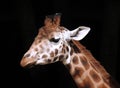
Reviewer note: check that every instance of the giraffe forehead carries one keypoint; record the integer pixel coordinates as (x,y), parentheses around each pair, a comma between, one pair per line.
(60,32)
(56,35)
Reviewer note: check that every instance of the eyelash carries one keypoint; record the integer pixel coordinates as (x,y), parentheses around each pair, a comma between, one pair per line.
(54,40)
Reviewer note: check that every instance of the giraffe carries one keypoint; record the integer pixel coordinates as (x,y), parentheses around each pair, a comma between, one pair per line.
(56,43)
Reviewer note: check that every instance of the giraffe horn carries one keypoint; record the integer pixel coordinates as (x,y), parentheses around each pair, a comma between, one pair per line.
(48,21)
(52,21)
(56,19)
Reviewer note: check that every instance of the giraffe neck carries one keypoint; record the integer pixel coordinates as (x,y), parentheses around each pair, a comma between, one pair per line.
(85,70)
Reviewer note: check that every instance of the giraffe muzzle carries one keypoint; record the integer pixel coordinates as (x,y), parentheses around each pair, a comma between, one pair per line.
(27,62)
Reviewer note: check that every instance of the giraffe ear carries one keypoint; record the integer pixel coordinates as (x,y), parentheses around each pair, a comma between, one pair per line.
(79,33)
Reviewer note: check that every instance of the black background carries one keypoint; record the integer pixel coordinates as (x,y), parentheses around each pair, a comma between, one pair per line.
(21,19)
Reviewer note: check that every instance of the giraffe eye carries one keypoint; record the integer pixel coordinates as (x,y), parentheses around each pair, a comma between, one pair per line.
(54,40)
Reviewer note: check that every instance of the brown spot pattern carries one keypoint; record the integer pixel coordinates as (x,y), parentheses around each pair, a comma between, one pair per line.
(63,50)
(78,72)
(63,45)
(87,83)
(44,56)
(94,76)
(84,62)
(49,60)
(36,49)
(67,49)
(102,86)
(75,60)
(61,57)
(56,51)
(55,58)
(41,46)
(39,41)
(52,54)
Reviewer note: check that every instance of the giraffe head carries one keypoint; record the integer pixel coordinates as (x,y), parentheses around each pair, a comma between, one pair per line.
(52,43)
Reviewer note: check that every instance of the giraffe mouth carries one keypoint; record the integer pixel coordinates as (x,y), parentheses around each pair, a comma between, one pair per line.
(30,65)
(27,62)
